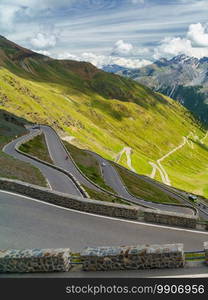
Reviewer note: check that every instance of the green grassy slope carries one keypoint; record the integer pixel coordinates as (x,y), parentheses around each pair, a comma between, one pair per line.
(101,111)
(137,186)
(188,168)
(88,165)
(85,161)
(38,148)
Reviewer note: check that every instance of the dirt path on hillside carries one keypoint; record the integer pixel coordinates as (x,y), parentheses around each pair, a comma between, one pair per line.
(158,166)
(128,152)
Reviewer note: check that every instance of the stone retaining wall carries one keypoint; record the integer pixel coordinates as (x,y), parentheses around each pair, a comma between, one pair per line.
(35,260)
(98,207)
(138,257)
(70,201)
(170,218)
(133,258)
(149,215)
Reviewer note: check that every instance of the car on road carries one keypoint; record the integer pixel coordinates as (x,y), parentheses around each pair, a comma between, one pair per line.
(103,164)
(192,198)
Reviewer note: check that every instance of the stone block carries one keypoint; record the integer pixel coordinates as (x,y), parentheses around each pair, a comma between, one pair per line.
(35,260)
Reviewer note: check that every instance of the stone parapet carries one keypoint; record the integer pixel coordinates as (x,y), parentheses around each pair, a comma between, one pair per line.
(99,207)
(170,218)
(133,257)
(70,201)
(35,260)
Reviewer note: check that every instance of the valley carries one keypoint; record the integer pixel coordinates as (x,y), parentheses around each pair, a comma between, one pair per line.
(104,113)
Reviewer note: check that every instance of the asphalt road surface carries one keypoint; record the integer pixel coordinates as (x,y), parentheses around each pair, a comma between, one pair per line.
(61,182)
(58,181)
(111,177)
(29,223)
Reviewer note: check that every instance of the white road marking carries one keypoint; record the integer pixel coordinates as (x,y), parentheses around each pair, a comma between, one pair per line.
(106,217)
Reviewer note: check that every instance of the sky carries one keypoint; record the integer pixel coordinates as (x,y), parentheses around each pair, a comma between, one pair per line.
(130,33)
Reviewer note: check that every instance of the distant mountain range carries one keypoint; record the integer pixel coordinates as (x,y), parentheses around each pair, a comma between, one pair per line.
(182,78)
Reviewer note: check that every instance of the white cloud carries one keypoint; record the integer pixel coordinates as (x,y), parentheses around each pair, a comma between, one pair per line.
(9,9)
(43,41)
(196,44)
(44,52)
(122,48)
(67,55)
(122,55)
(126,49)
(130,63)
(37,4)
(102,60)
(7,13)
(198,35)
(170,47)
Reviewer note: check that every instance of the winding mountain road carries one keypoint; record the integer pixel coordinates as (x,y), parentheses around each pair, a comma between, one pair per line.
(57,180)
(60,182)
(113,179)
(29,223)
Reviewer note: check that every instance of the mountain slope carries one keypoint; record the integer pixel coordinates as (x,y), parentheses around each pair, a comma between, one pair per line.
(182,78)
(96,110)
